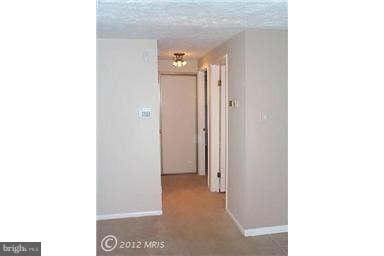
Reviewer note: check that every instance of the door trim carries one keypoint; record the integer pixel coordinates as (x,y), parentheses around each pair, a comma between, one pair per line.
(201,123)
(214,142)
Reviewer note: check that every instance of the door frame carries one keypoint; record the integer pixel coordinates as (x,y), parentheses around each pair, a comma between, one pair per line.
(224,103)
(160,118)
(201,123)
(214,143)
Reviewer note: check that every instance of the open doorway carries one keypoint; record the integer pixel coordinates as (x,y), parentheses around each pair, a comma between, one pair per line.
(193,123)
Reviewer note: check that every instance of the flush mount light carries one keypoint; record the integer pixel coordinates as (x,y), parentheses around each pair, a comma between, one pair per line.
(179,60)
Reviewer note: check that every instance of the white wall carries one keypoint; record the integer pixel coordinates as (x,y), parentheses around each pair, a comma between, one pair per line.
(128,148)
(257,164)
(167,67)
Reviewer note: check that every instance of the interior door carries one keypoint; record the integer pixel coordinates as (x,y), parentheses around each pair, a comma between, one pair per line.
(201,131)
(178,124)
(217,128)
(214,128)
(223,128)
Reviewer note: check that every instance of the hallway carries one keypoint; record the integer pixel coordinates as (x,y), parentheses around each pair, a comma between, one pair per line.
(194,222)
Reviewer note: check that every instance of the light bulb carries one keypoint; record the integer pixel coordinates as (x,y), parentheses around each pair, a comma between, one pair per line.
(178,60)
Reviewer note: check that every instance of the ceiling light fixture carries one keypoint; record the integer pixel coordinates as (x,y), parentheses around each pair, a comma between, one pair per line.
(179,60)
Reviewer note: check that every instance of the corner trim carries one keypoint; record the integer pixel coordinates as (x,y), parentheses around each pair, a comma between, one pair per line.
(236,222)
(128,215)
(258,231)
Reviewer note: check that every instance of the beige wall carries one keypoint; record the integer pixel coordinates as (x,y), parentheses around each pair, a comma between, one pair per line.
(128,148)
(235,48)
(257,164)
(266,138)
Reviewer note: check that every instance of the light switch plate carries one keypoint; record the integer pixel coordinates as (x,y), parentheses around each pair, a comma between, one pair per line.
(263,116)
(233,103)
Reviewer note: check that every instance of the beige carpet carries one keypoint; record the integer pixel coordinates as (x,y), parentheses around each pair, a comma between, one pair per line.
(194,222)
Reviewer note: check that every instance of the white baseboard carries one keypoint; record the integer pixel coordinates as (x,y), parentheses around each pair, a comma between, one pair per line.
(128,215)
(265,230)
(258,231)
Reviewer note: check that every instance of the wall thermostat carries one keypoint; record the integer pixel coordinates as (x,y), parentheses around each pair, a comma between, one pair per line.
(144,113)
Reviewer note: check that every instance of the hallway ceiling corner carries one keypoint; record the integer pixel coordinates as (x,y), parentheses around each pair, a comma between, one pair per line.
(191,26)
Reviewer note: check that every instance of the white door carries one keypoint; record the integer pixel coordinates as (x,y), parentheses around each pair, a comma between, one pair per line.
(218,128)
(201,129)
(214,128)
(178,123)
(223,128)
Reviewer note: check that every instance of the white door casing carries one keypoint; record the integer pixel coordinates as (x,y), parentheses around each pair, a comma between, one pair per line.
(214,127)
(200,123)
(218,126)
(223,127)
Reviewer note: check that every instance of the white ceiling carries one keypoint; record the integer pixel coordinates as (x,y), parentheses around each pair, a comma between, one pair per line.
(189,26)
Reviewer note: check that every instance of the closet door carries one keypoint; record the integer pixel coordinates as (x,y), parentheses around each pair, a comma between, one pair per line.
(178,124)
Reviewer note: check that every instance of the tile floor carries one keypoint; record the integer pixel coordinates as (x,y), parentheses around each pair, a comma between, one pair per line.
(194,222)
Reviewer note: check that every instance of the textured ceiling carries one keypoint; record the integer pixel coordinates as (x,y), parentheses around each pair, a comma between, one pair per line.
(189,26)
